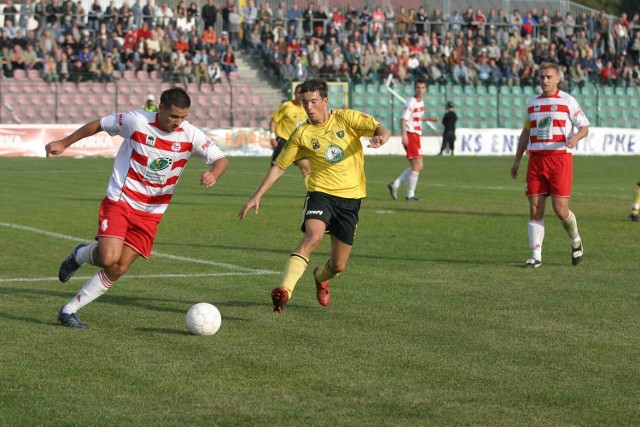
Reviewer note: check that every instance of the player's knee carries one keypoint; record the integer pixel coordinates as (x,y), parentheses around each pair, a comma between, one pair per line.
(338,266)
(313,239)
(116,271)
(108,258)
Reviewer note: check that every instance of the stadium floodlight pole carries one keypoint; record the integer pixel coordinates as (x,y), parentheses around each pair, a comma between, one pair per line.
(397,95)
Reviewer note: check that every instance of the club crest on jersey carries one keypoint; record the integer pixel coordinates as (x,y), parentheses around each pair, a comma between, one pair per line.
(536,108)
(315,144)
(334,154)
(160,163)
(151,140)
(340,134)
(554,108)
(176,146)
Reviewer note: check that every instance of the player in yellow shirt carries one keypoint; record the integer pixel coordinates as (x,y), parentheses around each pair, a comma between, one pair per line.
(289,115)
(336,186)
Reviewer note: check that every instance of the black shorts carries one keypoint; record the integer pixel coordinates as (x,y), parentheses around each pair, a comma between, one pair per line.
(277,149)
(339,214)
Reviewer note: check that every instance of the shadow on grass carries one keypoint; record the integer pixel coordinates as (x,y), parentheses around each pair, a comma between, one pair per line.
(152,304)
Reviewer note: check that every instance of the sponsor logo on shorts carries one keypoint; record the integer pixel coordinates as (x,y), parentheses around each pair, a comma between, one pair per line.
(310,212)
(104,225)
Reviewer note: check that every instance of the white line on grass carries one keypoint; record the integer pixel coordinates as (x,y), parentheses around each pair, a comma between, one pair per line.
(143,276)
(237,268)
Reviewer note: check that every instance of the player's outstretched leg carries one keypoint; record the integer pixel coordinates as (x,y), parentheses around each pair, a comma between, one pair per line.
(70,265)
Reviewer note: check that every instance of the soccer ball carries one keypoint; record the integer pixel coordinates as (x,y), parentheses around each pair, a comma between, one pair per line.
(203,319)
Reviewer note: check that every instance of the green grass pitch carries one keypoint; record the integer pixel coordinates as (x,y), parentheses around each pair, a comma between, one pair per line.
(433,323)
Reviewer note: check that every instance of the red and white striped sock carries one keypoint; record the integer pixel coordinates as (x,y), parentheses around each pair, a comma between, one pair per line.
(97,285)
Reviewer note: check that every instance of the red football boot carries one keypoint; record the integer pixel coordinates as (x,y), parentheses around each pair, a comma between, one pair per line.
(279,297)
(323,293)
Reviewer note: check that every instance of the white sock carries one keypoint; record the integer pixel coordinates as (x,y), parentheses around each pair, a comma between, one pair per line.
(402,178)
(571,227)
(85,254)
(97,285)
(536,236)
(413,182)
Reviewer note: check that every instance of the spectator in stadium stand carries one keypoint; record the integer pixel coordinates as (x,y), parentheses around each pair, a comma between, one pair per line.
(609,75)
(294,16)
(229,61)
(148,61)
(10,12)
(224,12)
(50,70)
(215,73)
(193,15)
(209,14)
(209,37)
(249,13)
(234,27)
(181,45)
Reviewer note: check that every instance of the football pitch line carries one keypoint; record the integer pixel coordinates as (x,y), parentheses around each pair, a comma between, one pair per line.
(237,270)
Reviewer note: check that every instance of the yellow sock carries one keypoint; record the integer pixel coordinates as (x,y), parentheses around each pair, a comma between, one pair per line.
(636,201)
(293,271)
(323,274)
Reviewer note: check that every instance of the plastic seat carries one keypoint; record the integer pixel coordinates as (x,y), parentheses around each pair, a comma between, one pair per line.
(372,89)
(20,74)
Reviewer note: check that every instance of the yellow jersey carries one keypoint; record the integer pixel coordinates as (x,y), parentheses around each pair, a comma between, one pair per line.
(335,152)
(288,117)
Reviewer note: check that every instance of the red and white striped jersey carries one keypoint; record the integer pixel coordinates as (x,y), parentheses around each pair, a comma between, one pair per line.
(552,120)
(412,114)
(150,160)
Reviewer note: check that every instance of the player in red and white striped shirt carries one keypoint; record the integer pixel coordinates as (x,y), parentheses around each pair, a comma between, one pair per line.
(146,169)
(554,125)
(411,125)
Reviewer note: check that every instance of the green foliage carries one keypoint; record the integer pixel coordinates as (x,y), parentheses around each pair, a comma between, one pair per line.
(433,323)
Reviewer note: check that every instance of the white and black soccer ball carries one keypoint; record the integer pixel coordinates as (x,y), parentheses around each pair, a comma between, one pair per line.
(203,319)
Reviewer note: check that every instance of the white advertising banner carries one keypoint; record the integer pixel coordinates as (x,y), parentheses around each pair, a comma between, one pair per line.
(29,141)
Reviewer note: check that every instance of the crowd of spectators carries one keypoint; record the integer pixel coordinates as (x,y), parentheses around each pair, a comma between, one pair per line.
(197,44)
(63,42)
(361,46)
